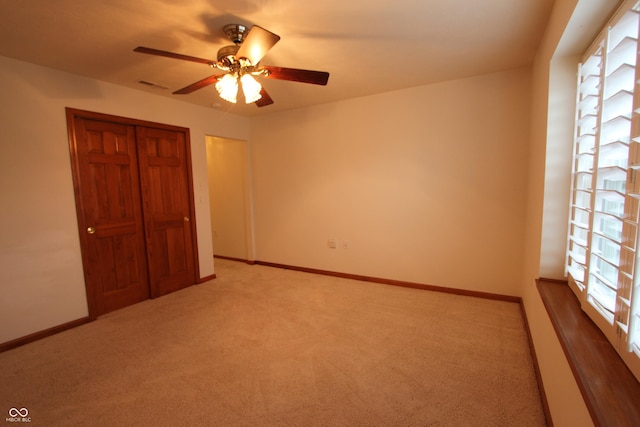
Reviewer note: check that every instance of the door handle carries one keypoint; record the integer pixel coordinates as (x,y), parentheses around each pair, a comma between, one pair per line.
(91,230)
(186,219)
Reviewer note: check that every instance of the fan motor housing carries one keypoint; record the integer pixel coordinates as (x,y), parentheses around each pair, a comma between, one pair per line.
(235,32)
(227,55)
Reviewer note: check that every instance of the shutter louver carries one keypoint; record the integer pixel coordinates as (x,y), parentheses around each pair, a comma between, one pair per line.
(587,115)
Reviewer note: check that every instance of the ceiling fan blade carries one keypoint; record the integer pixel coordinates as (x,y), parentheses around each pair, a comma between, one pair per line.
(265,100)
(296,75)
(199,84)
(151,51)
(256,44)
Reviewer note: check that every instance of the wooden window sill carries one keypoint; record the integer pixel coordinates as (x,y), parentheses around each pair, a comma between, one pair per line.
(610,391)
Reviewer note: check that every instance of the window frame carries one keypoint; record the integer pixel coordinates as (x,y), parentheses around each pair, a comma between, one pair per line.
(615,327)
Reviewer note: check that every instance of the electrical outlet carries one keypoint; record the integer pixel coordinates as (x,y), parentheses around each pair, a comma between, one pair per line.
(345,244)
(333,243)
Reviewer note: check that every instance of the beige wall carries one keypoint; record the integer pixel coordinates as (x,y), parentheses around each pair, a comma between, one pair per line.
(41,279)
(426,184)
(572,26)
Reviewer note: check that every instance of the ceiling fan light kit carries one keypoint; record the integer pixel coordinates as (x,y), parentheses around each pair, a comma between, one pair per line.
(241,62)
(227,88)
(250,88)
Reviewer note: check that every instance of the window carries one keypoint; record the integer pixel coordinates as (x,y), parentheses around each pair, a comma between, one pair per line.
(603,253)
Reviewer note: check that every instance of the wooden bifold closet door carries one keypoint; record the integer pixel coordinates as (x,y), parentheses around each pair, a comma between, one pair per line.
(134,200)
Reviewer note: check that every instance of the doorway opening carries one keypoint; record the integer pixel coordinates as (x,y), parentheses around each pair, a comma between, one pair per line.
(230,198)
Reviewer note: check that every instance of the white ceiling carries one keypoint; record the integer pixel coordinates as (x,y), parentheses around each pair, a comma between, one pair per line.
(368,46)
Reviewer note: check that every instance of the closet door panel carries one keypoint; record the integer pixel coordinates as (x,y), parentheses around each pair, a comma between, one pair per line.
(108,202)
(162,156)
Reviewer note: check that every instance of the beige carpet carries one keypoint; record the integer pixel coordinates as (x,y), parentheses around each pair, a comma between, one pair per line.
(262,346)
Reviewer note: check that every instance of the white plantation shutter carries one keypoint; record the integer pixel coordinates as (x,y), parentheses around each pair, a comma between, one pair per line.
(603,224)
(583,168)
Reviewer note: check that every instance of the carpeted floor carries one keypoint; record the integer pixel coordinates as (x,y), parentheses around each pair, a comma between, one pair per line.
(262,346)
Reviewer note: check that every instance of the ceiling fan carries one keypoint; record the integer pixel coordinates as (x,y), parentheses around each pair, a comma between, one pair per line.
(241,63)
